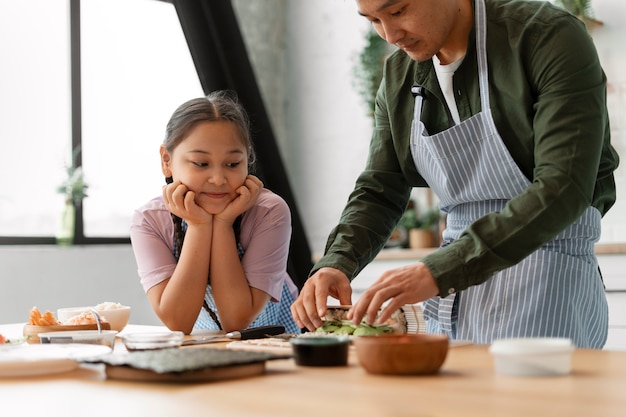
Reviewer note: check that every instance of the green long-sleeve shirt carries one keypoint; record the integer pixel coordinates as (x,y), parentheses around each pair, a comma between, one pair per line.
(548,97)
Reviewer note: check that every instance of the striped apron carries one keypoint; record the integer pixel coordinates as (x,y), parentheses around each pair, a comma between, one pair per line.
(274,313)
(556,291)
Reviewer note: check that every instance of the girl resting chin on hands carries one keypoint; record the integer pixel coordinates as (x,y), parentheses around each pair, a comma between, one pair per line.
(212,249)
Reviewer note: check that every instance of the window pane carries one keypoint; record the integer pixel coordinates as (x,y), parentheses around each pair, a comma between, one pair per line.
(136,69)
(34,114)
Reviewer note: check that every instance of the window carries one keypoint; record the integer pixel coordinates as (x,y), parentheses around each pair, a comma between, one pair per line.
(135,70)
(34,114)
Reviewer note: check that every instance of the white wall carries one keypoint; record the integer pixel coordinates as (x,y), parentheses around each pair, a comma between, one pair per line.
(51,277)
(609,40)
(306,79)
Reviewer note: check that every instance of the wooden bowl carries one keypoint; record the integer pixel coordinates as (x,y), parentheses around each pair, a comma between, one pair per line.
(408,354)
(31,332)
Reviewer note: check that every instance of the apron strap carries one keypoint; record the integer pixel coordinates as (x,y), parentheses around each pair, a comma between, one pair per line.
(481,49)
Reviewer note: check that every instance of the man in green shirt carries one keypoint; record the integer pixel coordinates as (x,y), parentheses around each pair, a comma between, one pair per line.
(500,108)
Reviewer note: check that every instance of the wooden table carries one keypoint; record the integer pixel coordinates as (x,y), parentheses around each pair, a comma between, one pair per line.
(466,386)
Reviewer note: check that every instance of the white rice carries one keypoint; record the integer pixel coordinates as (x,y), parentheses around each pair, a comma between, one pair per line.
(108,305)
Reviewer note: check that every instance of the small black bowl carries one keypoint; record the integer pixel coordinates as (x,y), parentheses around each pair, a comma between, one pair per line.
(320,351)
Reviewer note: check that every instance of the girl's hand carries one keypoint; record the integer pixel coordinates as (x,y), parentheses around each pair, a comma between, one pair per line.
(180,201)
(247,196)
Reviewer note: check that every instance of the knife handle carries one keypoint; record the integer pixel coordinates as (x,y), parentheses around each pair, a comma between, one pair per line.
(257,332)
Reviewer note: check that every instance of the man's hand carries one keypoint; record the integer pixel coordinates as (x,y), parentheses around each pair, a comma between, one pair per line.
(405,285)
(310,306)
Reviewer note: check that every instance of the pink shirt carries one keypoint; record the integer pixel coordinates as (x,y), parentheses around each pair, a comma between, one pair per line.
(265,236)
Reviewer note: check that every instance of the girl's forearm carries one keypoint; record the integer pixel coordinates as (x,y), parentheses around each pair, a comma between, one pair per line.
(231,291)
(183,295)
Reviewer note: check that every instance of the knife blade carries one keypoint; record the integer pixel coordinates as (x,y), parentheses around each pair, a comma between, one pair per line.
(246,334)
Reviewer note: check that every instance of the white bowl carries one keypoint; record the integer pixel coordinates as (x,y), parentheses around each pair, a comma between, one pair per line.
(532,356)
(116,314)
(93,337)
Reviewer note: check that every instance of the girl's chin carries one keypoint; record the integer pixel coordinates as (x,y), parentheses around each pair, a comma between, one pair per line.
(211,208)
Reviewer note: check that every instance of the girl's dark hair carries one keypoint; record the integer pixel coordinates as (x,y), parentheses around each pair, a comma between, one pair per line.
(218,106)
(221,105)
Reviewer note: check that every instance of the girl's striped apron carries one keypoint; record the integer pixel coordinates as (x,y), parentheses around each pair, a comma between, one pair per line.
(555,292)
(274,313)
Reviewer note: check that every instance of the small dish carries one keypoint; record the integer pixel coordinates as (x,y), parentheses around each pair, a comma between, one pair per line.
(320,351)
(532,356)
(408,354)
(92,337)
(152,340)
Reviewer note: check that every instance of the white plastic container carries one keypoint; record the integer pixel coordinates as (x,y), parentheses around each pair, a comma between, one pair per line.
(532,356)
(93,337)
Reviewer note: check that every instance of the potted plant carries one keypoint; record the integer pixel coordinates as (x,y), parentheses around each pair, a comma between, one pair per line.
(368,72)
(422,228)
(74,190)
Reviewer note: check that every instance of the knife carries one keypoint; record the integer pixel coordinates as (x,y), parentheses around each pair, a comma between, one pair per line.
(251,333)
